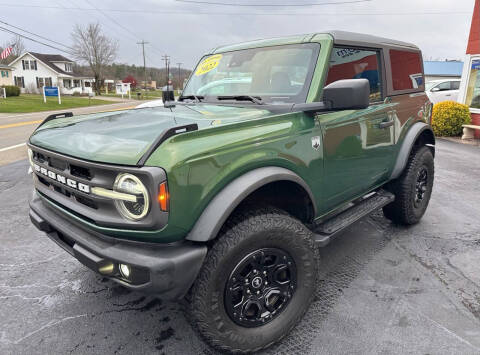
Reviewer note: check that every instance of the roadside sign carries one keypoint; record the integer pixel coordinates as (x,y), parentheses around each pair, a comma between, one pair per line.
(123,89)
(51,91)
(476,64)
(4,93)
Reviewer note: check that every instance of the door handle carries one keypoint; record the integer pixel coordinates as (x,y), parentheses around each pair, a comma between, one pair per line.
(383,125)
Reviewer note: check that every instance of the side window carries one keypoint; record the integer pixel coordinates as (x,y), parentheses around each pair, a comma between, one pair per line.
(353,63)
(455,85)
(443,86)
(406,66)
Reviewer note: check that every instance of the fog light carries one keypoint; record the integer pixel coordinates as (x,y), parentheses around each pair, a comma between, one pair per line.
(107,268)
(125,270)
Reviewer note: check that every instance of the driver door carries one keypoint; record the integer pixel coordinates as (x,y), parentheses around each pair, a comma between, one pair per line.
(358,144)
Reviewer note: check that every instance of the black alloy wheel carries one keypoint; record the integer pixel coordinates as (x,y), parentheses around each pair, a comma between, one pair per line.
(421,186)
(412,189)
(260,286)
(257,281)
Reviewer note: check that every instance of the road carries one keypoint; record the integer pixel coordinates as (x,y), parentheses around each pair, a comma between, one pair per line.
(384,289)
(16,128)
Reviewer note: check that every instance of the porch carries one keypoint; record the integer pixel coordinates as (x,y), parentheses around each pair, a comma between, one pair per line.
(69,85)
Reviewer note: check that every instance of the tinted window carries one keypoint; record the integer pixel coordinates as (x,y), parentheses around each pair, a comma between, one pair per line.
(352,63)
(406,67)
(455,85)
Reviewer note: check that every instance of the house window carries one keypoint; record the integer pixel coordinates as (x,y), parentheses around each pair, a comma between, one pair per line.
(4,73)
(40,83)
(19,81)
(76,83)
(26,64)
(66,83)
(68,67)
(354,63)
(33,65)
(48,81)
(405,67)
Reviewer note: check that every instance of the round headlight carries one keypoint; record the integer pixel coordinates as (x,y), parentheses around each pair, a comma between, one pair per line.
(130,184)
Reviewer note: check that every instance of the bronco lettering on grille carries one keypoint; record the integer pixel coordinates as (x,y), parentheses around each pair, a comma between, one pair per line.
(62,179)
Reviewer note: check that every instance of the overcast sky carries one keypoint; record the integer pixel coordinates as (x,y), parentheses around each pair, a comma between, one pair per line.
(185,30)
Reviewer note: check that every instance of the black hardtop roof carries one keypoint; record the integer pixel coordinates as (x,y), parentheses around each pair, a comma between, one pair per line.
(353,38)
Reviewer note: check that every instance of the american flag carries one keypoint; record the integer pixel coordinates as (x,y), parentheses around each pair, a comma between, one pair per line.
(6,52)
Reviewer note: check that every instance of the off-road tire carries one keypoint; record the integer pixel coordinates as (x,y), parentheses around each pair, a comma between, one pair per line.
(404,209)
(244,233)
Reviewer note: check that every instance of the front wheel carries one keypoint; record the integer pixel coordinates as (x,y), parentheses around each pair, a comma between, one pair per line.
(257,282)
(412,189)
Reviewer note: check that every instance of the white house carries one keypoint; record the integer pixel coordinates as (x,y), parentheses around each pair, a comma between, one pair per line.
(35,70)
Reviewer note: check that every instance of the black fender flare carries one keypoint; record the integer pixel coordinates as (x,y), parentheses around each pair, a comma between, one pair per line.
(223,204)
(412,135)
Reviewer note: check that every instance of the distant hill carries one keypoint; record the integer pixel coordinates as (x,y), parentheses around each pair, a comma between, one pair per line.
(121,71)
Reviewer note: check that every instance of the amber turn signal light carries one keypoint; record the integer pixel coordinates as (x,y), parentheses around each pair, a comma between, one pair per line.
(163,197)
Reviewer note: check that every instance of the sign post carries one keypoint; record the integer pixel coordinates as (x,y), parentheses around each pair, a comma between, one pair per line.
(51,91)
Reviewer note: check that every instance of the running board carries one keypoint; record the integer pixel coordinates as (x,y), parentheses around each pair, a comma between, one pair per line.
(326,231)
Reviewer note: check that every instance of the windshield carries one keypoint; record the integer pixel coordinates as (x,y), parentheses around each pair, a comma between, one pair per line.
(273,74)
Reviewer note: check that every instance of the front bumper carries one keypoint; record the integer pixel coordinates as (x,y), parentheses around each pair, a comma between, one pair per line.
(166,270)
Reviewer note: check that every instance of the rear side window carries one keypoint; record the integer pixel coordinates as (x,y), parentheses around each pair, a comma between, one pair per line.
(353,63)
(455,85)
(406,69)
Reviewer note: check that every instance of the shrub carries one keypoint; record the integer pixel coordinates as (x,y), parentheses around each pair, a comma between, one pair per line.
(11,90)
(448,118)
(76,93)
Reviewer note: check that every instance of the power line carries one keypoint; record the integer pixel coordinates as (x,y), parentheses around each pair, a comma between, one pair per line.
(270,5)
(114,21)
(33,40)
(161,12)
(126,29)
(114,30)
(37,35)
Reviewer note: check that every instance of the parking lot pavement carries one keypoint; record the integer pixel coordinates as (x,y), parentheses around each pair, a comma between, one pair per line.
(383,289)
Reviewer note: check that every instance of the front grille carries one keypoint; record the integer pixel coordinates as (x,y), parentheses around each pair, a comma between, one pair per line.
(64,191)
(80,172)
(67,182)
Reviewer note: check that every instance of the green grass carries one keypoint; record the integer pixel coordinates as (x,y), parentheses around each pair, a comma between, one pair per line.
(151,95)
(34,103)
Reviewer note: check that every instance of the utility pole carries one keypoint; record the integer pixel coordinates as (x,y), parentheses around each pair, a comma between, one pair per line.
(143,43)
(166,58)
(179,84)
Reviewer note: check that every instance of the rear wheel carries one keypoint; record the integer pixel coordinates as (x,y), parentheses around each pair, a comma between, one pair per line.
(256,283)
(412,189)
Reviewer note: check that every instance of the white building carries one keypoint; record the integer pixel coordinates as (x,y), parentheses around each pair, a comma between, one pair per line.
(35,70)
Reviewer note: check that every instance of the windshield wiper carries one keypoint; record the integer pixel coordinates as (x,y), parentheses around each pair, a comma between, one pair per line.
(191,97)
(255,99)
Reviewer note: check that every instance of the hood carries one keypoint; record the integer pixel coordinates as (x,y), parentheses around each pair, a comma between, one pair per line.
(122,137)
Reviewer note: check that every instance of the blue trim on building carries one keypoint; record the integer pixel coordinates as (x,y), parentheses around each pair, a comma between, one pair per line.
(435,68)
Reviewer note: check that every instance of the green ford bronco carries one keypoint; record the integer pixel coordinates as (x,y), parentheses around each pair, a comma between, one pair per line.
(223,197)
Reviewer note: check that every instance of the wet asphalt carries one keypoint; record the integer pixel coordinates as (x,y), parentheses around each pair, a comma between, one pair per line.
(384,289)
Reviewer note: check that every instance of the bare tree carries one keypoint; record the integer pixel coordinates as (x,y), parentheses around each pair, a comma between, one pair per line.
(17,50)
(91,46)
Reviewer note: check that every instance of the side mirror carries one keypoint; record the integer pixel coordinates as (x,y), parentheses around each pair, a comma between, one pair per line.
(347,94)
(435,89)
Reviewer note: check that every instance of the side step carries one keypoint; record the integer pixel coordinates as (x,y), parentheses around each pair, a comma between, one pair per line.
(326,231)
